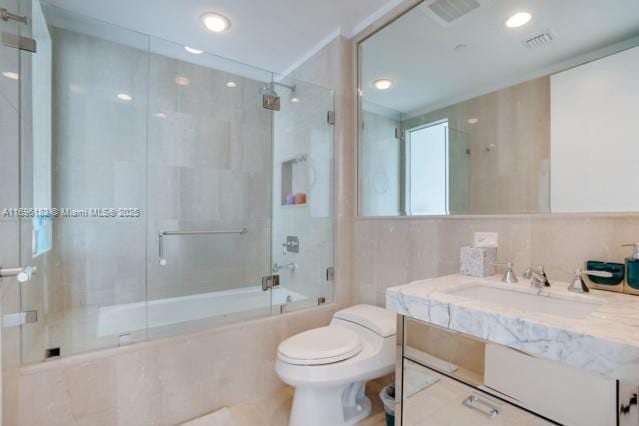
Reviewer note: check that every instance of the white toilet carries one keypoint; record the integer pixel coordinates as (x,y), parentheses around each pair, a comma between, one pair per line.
(329,366)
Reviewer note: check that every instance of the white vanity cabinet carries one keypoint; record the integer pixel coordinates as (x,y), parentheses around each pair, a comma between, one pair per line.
(449,378)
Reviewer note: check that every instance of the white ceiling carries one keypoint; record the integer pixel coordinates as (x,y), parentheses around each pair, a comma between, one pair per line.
(418,53)
(275,35)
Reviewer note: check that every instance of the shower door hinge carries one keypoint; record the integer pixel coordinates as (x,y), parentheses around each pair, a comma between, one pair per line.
(19,318)
(18,42)
(125,339)
(321,300)
(399,133)
(330,117)
(270,281)
(330,273)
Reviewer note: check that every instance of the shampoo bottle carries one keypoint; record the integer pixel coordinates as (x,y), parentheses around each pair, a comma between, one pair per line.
(631,285)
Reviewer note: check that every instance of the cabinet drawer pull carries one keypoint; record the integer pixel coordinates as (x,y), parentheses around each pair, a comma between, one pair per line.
(483,406)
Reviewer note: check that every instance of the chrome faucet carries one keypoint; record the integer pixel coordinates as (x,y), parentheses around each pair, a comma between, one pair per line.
(578,284)
(509,274)
(292,266)
(538,277)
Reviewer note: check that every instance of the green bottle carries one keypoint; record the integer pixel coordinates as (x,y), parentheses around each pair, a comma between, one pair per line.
(631,285)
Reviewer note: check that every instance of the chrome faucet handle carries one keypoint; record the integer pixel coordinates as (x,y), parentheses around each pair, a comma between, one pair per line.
(578,284)
(509,274)
(538,277)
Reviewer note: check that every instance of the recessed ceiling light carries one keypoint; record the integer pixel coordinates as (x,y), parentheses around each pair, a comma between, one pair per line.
(193,50)
(125,97)
(215,22)
(295,99)
(182,81)
(160,115)
(473,120)
(231,84)
(518,19)
(382,84)
(11,75)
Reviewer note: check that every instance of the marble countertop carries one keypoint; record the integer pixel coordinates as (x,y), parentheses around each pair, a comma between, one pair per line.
(605,341)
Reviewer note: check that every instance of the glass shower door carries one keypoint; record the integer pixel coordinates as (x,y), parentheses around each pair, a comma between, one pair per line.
(83,174)
(209,232)
(303,198)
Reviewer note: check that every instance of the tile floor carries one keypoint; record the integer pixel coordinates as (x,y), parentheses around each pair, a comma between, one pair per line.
(274,409)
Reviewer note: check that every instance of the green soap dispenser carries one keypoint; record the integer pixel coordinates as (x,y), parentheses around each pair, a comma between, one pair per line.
(631,285)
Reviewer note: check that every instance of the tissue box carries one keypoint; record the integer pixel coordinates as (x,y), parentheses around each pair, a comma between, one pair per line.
(477,261)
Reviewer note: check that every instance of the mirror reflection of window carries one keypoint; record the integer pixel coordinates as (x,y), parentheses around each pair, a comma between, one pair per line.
(427,171)
(513,91)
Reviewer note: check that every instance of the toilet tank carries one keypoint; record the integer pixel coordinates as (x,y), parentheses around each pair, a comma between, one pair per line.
(378,320)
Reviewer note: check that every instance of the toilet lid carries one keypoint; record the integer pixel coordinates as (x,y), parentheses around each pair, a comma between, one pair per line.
(320,346)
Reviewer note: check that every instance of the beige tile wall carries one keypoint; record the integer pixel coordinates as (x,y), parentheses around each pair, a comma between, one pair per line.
(389,252)
(509,149)
(161,382)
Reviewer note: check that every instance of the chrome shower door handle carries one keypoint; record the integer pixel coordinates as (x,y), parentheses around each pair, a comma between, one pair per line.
(22,273)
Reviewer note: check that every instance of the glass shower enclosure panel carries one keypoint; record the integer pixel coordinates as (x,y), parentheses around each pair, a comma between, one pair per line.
(303,198)
(209,230)
(9,176)
(83,181)
(161,193)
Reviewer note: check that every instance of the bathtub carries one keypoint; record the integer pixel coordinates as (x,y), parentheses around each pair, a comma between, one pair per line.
(120,319)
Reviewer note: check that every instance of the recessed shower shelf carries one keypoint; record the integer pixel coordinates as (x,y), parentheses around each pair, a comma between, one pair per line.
(294,185)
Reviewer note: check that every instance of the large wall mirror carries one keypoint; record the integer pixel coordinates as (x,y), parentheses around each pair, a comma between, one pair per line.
(501,107)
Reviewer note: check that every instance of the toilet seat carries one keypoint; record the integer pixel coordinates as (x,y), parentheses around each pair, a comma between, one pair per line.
(320,346)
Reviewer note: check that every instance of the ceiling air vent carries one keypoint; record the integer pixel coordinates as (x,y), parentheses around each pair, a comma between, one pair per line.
(539,40)
(447,12)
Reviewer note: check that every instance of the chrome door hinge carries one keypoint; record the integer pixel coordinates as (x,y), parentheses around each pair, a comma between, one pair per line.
(125,339)
(19,318)
(330,274)
(18,42)
(330,117)
(399,133)
(270,281)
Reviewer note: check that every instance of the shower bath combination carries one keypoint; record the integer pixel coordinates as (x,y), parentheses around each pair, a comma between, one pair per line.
(154,133)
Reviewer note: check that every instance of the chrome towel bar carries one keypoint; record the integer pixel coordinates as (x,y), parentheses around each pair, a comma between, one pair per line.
(163,234)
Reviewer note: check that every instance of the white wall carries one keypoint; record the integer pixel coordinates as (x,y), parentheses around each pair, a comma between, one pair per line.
(594,143)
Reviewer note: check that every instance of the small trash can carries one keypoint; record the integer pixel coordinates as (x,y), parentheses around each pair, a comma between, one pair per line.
(388,398)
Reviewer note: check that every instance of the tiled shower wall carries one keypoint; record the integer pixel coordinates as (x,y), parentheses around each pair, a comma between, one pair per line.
(390,252)
(206,143)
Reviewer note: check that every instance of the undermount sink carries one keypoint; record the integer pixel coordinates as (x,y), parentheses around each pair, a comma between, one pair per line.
(545,303)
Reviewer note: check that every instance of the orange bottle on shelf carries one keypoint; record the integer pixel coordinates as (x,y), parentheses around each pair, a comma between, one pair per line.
(300,198)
